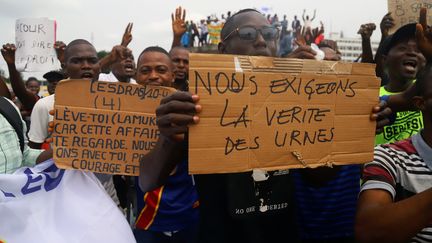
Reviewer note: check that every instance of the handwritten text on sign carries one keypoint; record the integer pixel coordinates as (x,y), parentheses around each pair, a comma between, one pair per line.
(35,39)
(108,129)
(408,11)
(256,118)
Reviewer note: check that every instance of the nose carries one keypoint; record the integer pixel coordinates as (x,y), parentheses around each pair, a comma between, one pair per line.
(260,40)
(85,64)
(153,75)
(181,63)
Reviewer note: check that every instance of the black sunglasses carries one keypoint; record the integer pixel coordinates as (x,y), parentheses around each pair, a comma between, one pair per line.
(250,33)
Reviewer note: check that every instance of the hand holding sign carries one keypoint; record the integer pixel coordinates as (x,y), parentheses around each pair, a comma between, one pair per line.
(8,52)
(381,114)
(178,22)
(127,36)
(176,112)
(424,35)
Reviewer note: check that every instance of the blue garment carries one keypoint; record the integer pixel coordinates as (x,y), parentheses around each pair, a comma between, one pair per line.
(327,212)
(171,207)
(285,45)
(185,39)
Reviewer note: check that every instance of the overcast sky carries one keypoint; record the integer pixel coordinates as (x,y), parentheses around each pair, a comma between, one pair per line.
(106,20)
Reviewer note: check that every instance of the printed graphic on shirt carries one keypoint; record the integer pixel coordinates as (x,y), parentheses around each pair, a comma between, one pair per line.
(407,124)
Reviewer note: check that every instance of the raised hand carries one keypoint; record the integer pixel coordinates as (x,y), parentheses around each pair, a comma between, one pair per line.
(60,48)
(386,24)
(424,35)
(117,53)
(178,22)
(366,30)
(8,53)
(127,36)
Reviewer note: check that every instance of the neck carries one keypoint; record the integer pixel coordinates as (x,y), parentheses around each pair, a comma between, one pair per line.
(397,85)
(122,79)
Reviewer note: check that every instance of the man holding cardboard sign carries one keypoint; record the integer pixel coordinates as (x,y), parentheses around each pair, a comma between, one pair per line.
(231,205)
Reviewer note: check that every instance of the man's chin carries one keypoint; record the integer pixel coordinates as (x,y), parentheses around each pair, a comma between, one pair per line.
(180,76)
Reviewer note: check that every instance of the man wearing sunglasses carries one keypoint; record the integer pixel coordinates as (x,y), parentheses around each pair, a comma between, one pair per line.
(246,33)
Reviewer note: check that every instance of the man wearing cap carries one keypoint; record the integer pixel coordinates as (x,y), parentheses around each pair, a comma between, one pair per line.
(402,62)
(53,77)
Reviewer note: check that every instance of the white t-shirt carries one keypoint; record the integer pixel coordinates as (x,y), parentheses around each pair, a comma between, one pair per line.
(39,119)
(110,77)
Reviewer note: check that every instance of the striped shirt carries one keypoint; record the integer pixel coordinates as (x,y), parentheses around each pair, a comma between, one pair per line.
(403,169)
(328,211)
(11,157)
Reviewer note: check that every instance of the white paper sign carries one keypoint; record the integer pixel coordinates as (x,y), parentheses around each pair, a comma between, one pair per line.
(34,39)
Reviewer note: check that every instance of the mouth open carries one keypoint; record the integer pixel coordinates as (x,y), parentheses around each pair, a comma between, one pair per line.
(87,76)
(410,65)
(129,67)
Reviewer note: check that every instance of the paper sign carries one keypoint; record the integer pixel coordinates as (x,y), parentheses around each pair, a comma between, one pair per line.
(278,113)
(105,127)
(35,39)
(408,11)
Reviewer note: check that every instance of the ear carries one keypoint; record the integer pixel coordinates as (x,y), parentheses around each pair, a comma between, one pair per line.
(222,48)
(419,103)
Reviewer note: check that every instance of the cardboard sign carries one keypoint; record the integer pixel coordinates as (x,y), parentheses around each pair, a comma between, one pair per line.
(105,127)
(408,11)
(278,113)
(34,40)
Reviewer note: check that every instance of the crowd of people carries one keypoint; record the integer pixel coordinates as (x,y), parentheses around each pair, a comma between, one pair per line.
(207,31)
(386,200)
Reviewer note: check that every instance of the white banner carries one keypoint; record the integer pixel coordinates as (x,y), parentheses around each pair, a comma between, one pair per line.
(35,39)
(49,205)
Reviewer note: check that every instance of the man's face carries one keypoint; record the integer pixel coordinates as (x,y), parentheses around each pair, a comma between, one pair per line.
(258,47)
(124,69)
(82,62)
(404,60)
(180,59)
(33,86)
(52,84)
(155,68)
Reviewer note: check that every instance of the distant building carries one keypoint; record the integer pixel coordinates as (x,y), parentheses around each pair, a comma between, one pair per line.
(351,48)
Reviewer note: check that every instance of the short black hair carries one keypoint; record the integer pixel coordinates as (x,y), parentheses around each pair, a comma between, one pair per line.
(422,81)
(30,79)
(154,49)
(73,43)
(178,47)
(229,24)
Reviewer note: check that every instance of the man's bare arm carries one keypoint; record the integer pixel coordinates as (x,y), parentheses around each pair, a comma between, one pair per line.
(379,219)
(178,26)
(174,115)
(27,98)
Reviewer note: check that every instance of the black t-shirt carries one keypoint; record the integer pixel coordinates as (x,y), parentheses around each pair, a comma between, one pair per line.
(235,208)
